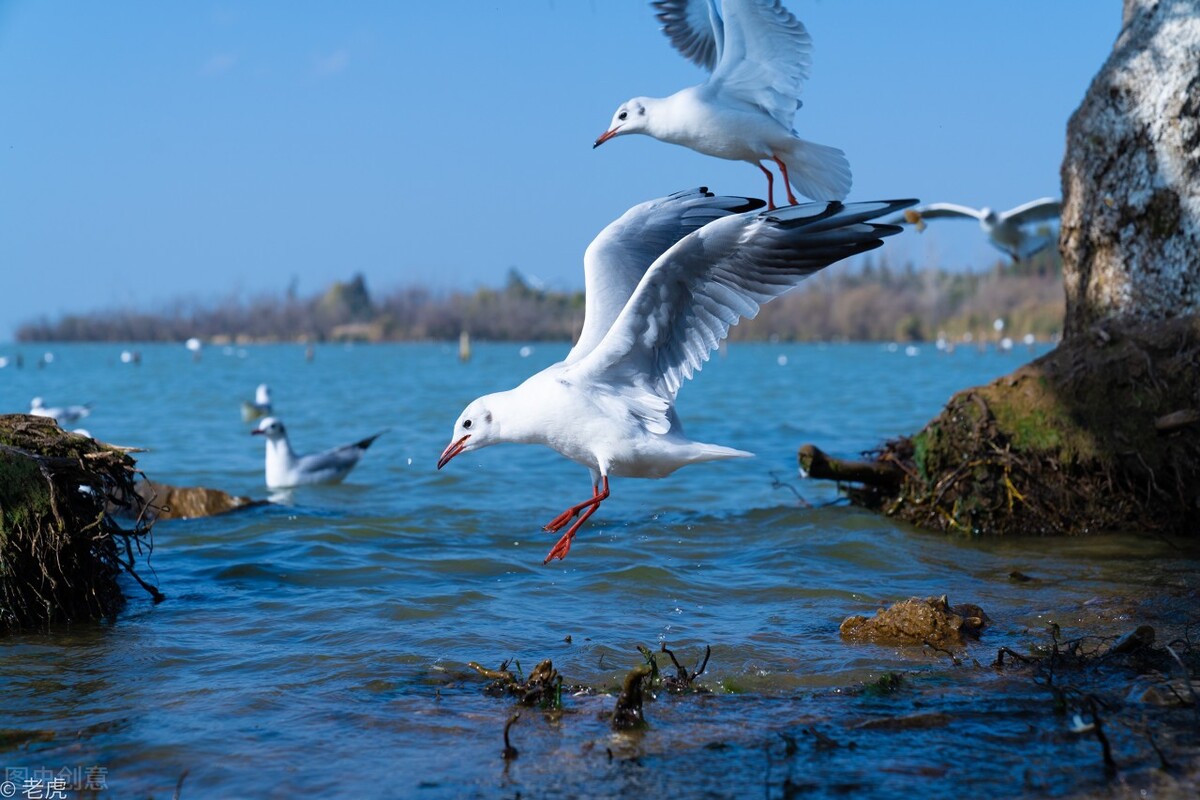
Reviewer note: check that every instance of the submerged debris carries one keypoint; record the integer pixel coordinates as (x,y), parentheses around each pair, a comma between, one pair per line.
(628,712)
(510,752)
(931,621)
(682,680)
(543,688)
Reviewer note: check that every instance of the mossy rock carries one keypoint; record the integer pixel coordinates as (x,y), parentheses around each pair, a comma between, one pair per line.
(1103,433)
(60,549)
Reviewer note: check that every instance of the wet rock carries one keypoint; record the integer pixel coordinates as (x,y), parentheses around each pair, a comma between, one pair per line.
(189,502)
(915,621)
(60,547)
(1176,693)
(1135,640)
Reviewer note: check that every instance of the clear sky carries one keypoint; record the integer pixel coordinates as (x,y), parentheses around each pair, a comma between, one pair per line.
(153,150)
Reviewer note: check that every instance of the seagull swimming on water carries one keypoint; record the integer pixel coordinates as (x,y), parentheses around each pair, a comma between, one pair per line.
(1005,230)
(664,283)
(60,414)
(261,407)
(285,469)
(759,55)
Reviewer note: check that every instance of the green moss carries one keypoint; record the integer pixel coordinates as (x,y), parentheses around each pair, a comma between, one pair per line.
(921,449)
(1037,420)
(24,495)
(1074,442)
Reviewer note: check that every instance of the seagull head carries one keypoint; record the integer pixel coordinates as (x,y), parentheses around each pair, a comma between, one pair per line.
(474,429)
(271,428)
(36,402)
(630,118)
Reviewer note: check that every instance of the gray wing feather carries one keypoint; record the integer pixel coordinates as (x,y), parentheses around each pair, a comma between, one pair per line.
(692,294)
(694,28)
(1034,211)
(765,59)
(619,256)
(339,459)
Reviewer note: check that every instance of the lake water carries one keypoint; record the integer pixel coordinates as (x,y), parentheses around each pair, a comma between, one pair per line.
(318,646)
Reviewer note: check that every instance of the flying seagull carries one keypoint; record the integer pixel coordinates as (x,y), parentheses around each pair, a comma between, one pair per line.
(1008,231)
(759,55)
(664,283)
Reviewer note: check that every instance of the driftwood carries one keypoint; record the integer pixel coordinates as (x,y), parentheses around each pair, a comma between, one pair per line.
(816,463)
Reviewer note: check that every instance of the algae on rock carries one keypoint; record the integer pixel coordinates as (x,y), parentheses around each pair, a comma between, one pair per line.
(1104,432)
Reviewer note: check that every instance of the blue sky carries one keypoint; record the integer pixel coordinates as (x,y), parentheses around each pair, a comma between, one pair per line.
(151,151)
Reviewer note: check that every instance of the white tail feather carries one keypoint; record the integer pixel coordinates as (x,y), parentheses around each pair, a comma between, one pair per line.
(818,171)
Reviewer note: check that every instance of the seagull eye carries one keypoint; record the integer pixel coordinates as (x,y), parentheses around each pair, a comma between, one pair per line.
(622,115)
(466,423)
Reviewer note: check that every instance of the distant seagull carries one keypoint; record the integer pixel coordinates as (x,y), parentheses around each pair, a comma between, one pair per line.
(60,414)
(759,55)
(658,300)
(285,469)
(261,406)
(1006,230)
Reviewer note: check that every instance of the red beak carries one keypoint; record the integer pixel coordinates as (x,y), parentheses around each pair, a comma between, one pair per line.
(453,449)
(604,137)
(256,432)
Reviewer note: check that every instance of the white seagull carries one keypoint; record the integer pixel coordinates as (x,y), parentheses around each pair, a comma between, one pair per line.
(1006,230)
(261,407)
(285,469)
(60,414)
(664,284)
(759,55)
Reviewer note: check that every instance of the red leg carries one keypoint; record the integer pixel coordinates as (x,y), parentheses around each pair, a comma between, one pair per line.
(787,183)
(562,519)
(770,187)
(563,545)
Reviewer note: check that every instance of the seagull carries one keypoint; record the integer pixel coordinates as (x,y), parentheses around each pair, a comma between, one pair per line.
(261,407)
(664,283)
(1004,230)
(285,469)
(38,408)
(759,55)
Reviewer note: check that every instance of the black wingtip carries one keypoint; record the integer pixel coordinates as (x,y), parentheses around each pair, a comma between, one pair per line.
(750,204)
(365,443)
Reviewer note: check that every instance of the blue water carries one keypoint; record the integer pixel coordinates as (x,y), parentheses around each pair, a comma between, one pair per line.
(318,646)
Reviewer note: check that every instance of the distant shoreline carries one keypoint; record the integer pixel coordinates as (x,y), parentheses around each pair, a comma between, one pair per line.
(876,302)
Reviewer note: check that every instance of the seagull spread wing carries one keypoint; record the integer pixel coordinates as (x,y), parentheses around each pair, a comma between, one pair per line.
(765,57)
(692,294)
(617,259)
(694,28)
(1033,211)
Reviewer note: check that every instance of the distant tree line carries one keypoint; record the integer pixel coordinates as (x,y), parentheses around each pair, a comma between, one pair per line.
(873,302)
